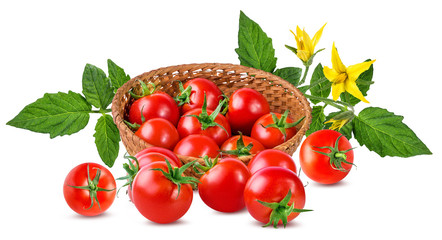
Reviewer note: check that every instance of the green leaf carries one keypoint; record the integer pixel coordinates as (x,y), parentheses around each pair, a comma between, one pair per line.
(55,113)
(384,133)
(107,139)
(346,130)
(290,74)
(255,49)
(321,86)
(96,87)
(117,75)
(363,82)
(318,119)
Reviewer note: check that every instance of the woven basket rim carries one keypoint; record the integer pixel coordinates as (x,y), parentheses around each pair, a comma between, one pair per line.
(198,67)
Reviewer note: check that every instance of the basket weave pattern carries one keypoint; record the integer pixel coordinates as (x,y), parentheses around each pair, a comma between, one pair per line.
(280,94)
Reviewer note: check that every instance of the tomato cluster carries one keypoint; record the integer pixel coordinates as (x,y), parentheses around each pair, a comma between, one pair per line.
(201,122)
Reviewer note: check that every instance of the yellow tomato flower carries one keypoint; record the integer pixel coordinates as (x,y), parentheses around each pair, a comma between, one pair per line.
(337,124)
(306,45)
(344,78)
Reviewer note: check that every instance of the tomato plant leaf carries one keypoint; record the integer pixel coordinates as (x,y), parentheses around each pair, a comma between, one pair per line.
(363,82)
(384,132)
(55,113)
(107,139)
(255,49)
(321,86)
(97,87)
(318,119)
(117,75)
(290,74)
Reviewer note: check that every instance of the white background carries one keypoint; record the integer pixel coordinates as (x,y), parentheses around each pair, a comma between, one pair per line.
(44,46)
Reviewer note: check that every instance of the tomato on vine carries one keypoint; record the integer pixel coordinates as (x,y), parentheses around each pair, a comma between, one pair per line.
(222,184)
(197,146)
(89,189)
(273,129)
(274,195)
(151,104)
(271,158)
(326,156)
(194,92)
(239,146)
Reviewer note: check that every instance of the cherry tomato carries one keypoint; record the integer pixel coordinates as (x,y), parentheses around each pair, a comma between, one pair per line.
(326,156)
(273,129)
(222,186)
(274,185)
(153,105)
(189,125)
(271,157)
(158,132)
(246,105)
(238,146)
(161,150)
(89,189)
(193,92)
(197,146)
(157,195)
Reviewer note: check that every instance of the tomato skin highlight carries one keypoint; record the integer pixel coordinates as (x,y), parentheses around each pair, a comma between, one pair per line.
(246,105)
(317,166)
(190,125)
(168,153)
(271,158)
(197,146)
(199,87)
(156,197)
(272,184)
(159,132)
(271,137)
(222,187)
(156,105)
(79,200)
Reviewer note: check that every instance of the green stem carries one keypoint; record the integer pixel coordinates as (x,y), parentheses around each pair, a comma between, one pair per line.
(305,75)
(101,111)
(337,104)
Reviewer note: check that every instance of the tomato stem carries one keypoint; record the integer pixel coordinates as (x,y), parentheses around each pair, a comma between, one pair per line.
(184,96)
(337,157)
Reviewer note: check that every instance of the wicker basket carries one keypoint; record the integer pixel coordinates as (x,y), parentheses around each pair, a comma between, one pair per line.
(280,94)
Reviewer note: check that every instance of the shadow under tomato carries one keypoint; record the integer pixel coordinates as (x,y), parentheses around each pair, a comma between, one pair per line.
(79,216)
(176,223)
(333,185)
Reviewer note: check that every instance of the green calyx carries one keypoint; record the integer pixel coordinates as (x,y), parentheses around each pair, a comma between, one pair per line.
(131,170)
(145,90)
(184,96)
(241,150)
(281,124)
(336,156)
(93,188)
(207,120)
(281,210)
(209,163)
(175,175)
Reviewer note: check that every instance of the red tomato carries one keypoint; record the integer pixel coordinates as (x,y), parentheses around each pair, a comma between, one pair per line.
(158,132)
(189,125)
(326,156)
(222,187)
(197,146)
(273,129)
(89,189)
(274,185)
(161,150)
(159,199)
(193,92)
(269,158)
(153,105)
(246,105)
(238,146)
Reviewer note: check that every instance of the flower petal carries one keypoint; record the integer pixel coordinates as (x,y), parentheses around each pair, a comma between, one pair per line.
(337,89)
(352,88)
(354,71)
(317,36)
(308,43)
(298,43)
(303,55)
(330,74)
(336,61)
